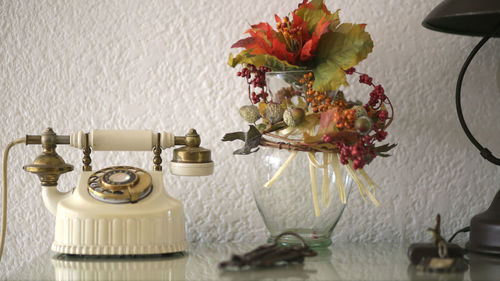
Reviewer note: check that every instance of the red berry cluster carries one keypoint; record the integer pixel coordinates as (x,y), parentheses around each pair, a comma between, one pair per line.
(327,138)
(377,96)
(365,79)
(380,134)
(359,153)
(256,78)
(363,150)
(383,115)
(350,70)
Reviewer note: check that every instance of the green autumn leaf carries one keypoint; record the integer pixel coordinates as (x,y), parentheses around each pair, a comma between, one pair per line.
(245,57)
(314,12)
(309,123)
(275,127)
(337,51)
(328,77)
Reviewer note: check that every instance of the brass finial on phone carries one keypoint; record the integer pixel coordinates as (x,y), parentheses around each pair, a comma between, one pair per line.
(191,152)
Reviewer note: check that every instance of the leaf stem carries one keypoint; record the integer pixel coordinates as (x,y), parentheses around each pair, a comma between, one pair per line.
(392,114)
(290,146)
(283,138)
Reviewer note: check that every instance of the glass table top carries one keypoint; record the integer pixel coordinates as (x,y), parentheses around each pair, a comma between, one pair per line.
(347,261)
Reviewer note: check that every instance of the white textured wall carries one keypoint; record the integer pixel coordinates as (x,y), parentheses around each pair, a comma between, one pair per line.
(161,65)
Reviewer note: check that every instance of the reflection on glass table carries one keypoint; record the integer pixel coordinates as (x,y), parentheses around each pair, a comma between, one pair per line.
(158,267)
(342,261)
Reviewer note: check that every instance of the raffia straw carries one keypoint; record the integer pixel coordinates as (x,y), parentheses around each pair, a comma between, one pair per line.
(325,188)
(314,161)
(373,186)
(338,179)
(360,184)
(288,131)
(325,192)
(314,188)
(281,169)
(362,188)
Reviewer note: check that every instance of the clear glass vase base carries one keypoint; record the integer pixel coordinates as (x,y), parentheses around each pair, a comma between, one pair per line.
(312,239)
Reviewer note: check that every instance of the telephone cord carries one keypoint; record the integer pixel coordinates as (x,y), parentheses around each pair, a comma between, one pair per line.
(4,191)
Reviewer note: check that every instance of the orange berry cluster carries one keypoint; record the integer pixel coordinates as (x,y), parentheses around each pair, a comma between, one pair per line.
(287,30)
(318,100)
(340,103)
(344,119)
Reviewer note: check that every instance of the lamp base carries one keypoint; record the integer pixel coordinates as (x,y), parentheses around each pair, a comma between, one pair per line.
(485,230)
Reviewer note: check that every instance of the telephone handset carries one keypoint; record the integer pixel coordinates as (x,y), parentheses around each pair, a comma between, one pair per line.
(119,210)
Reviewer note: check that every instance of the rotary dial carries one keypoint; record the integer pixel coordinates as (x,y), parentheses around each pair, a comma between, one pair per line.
(120,184)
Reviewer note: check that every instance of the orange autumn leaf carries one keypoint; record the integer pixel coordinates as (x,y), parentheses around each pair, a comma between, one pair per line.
(264,40)
(309,48)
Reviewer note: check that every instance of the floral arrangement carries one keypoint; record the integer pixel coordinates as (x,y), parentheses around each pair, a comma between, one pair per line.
(312,114)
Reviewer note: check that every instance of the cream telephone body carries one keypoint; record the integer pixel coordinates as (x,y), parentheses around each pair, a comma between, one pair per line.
(119,210)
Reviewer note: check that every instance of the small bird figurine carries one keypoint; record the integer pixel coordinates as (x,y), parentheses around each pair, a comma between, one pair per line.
(439,241)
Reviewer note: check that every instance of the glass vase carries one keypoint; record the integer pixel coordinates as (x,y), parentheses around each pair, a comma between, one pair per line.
(288,204)
(299,191)
(285,84)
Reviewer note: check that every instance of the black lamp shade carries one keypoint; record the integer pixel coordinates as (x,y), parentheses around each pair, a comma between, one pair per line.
(465,17)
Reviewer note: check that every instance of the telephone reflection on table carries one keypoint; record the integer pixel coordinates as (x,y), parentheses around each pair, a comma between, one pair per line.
(119,210)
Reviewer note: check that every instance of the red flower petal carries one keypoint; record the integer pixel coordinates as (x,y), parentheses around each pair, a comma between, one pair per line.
(277,18)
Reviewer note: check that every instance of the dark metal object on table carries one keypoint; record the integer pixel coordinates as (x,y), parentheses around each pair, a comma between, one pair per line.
(483,267)
(485,230)
(271,255)
(438,256)
(418,251)
(464,17)
(476,18)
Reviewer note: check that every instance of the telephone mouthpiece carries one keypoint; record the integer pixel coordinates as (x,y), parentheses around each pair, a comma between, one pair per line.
(192,161)
(191,169)
(48,166)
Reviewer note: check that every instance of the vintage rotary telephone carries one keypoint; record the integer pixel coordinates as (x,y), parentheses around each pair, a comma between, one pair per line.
(118,210)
